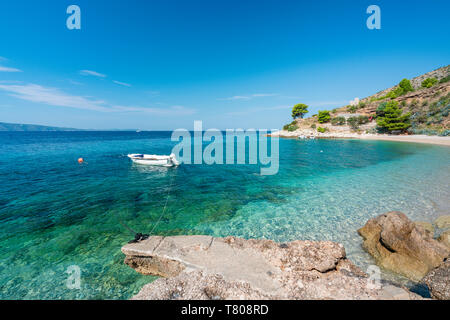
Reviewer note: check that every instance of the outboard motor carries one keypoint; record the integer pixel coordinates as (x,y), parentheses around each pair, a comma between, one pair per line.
(174,160)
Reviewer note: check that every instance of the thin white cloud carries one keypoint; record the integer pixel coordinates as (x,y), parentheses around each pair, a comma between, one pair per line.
(236,98)
(257,95)
(7,69)
(122,83)
(75,82)
(251,96)
(335,104)
(92,73)
(52,96)
(257,109)
(55,97)
(173,110)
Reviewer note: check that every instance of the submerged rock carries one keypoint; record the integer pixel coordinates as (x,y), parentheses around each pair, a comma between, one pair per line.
(438,281)
(400,245)
(443,222)
(203,267)
(426,225)
(445,239)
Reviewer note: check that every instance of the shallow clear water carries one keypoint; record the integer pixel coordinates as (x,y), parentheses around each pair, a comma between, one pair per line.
(55,213)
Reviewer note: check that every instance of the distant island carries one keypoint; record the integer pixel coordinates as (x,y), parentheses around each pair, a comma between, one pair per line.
(19,127)
(31,127)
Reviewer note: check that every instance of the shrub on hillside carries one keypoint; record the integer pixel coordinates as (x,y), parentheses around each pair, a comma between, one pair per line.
(405,84)
(445,79)
(403,87)
(322,130)
(353,123)
(352,109)
(338,121)
(429,82)
(324,116)
(291,126)
(362,119)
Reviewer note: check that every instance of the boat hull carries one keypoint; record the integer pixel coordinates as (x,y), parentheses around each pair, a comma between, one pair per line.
(154,160)
(160,163)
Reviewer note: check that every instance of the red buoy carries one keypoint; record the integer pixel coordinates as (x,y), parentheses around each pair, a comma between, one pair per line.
(80,160)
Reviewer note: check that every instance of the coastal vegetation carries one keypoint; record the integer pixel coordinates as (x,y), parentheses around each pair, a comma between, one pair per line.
(299,111)
(352,108)
(430,118)
(445,79)
(390,118)
(291,126)
(401,89)
(429,82)
(324,116)
(420,105)
(355,122)
(338,121)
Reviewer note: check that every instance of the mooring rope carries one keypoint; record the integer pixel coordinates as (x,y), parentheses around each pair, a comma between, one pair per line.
(165,206)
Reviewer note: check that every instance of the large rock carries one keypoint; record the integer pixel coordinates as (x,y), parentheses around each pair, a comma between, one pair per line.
(203,267)
(438,281)
(402,246)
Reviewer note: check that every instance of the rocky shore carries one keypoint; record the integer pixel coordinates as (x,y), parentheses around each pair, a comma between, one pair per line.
(204,267)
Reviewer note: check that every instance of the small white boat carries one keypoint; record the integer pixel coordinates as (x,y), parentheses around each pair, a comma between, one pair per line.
(154,160)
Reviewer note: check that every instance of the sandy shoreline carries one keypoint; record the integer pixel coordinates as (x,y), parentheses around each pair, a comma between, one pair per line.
(443,141)
(436,140)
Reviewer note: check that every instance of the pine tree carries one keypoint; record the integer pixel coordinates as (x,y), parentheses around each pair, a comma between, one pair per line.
(393,119)
(299,110)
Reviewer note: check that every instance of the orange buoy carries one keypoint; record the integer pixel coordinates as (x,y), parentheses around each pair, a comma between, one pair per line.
(80,160)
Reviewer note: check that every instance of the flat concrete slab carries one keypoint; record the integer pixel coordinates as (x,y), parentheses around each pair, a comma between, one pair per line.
(202,267)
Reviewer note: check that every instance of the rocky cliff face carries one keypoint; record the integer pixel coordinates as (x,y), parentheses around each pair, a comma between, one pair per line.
(203,267)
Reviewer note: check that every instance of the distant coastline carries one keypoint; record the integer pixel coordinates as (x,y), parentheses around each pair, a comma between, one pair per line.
(20,127)
(14,127)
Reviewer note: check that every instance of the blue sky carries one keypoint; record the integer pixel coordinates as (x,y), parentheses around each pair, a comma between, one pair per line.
(160,65)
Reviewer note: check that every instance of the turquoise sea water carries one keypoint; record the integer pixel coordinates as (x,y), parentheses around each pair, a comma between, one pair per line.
(55,213)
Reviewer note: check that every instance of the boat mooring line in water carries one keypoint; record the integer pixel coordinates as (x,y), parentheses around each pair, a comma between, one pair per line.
(137,235)
(141,236)
(165,206)
(127,227)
